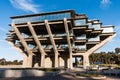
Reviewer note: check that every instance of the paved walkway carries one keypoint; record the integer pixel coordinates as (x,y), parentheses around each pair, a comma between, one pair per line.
(58,77)
(64,76)
(112,78)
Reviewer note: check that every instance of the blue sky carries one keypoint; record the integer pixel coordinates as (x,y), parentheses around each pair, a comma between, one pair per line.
(107,11)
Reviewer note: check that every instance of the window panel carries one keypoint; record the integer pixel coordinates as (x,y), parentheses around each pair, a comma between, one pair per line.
(94,39)
(96,26)
(107,29)
(83,36)
(42,18)
(80,22)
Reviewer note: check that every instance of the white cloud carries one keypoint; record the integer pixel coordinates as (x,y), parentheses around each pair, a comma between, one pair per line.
(105,3)
(3,29)
(26,5)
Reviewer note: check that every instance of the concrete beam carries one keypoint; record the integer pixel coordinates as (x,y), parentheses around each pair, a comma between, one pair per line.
(69,43)
(22,53)
(41,50)
(52,42)
(99,45)
(30,54)
(93,49)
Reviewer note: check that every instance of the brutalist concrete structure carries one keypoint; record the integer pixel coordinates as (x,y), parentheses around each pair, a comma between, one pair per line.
(52,39)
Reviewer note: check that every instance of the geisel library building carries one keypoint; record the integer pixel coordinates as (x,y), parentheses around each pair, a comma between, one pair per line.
(54,39)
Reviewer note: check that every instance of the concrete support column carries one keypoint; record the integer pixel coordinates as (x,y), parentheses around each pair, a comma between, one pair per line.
(41,50)
(30,60)
(22,53)
(97,46)
(56,60)
(69,43)
(25,60)
(42,60)
(86,61)
(29,52)
(90,51)
(52,42)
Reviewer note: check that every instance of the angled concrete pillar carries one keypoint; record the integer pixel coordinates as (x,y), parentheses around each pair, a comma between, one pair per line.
(41,50)
(97,46)
(93,49)
(25,60)
(69,43)
(52,42)
(29,63)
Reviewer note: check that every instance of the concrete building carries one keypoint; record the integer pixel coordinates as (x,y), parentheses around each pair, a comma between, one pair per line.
(52,39)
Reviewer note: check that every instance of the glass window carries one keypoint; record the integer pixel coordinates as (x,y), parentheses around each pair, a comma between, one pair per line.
(17,42)
(83,36)
(96,26)
(80,22)
(81,47)
(31,46)
(89,25)
(94,39)
(64,46)
(42,18)
(24,35)
(107,29)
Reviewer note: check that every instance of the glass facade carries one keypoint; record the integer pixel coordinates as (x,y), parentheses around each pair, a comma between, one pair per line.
(81,47)
(57,16)
(80,22)
(64,46)
(47,46)
(94,39)
(31,46)
(59,35)
(83,36)
(107,29)
(17,42)
(25,35)
(96,27)
(89,25)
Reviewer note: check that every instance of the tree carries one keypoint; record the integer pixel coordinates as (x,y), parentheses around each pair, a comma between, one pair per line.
(15,62)
(2,61)
(117,50)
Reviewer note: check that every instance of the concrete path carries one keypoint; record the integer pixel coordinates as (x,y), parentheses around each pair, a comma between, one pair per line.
(57,77)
